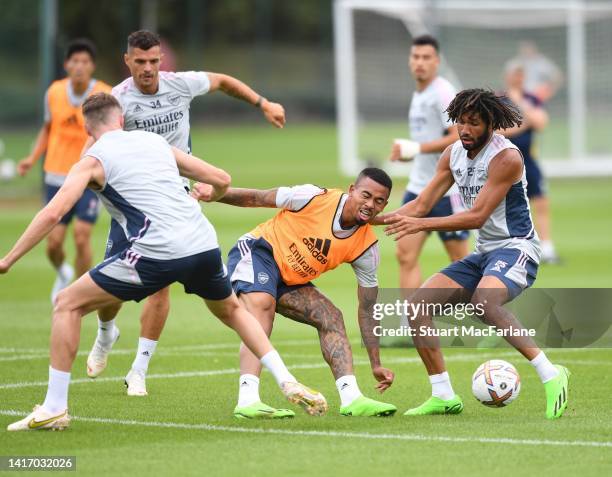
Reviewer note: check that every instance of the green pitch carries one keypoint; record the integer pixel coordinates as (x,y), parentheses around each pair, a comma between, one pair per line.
(185,425)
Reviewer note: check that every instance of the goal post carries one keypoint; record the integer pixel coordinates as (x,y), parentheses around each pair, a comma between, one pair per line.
(374,86)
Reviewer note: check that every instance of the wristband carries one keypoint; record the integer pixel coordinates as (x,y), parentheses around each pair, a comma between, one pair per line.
(259,102)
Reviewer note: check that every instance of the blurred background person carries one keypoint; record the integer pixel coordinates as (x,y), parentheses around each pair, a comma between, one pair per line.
(535,119)
(542,77)
(61,140)
(430,133)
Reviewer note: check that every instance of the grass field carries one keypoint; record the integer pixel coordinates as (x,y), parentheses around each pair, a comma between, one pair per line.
(185,426)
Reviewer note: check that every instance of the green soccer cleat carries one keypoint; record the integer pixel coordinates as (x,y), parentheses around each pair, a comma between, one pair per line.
(363,406)
(259,410)
(557,393)
(435,405)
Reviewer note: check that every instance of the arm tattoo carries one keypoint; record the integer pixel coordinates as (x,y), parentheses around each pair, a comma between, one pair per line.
(367,299)
(250,197)
(308,305)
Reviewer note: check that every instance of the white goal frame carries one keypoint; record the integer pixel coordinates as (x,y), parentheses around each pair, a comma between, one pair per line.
(572,13)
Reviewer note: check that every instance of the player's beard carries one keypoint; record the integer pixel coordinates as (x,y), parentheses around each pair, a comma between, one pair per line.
(478,142)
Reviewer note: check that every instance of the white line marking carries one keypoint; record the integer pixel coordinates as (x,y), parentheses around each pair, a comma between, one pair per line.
(357,362)
(211,346)
(194,350)
(28,357)
(318,365)
(357,435)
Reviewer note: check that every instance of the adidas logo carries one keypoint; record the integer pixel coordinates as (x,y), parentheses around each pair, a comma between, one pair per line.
(244,383)
(318,248)
(137,109)
(70,121)
(145,353)
(344,386)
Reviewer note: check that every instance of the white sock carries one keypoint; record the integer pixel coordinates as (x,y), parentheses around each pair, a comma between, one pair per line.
(146,348)
(64,271)
(441,386)
(544,367)
(106,332)
(548,248)
(248,390)
(348,389)
(273,362)
(56,400)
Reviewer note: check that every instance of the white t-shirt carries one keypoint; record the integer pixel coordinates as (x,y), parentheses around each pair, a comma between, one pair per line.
(144,194)
(166,112)
(366,266)
(428,121)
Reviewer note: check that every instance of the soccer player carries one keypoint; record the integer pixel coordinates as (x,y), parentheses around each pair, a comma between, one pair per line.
(272,268)
(430,133)
(535,119)
(543,78)
(61,139)
(159,102)
(137,177)
(490,174)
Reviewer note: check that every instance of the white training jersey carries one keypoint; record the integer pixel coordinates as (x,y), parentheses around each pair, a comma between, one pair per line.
(166,112)
(510,225)
(144,193)
(428,121)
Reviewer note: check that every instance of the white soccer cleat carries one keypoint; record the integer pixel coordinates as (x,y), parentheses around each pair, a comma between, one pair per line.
(39,419)
(135,383)
(313,402)
(98,356)
(64,276)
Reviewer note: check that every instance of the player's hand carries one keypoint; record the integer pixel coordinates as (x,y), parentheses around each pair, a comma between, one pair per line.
(24,166)
(4,266)
(274,113)
(380,219)
(396,154)
(404,150)
(384,377)
(402,225)
(203,192)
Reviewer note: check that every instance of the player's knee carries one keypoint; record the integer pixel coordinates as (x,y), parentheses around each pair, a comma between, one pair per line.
(82,240)
(333,321)
(406,258)
(54,245)
(484,304)
(267,308)
(65,302)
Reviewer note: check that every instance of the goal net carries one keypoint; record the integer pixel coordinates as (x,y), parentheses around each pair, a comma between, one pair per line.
(374,86)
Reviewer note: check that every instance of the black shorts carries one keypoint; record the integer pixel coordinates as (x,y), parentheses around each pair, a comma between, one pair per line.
(86,208)
(252,268)
(129,276)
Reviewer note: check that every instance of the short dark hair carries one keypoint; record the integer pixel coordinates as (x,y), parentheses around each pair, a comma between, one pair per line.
(143,39)
(79,45)
(97,106)
(426,40)
(377,175)
(495,110)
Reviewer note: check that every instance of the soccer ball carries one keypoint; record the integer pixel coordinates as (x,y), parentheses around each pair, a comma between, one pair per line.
(496,383)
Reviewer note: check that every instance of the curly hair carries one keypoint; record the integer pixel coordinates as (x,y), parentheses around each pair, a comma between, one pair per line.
(495,110)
